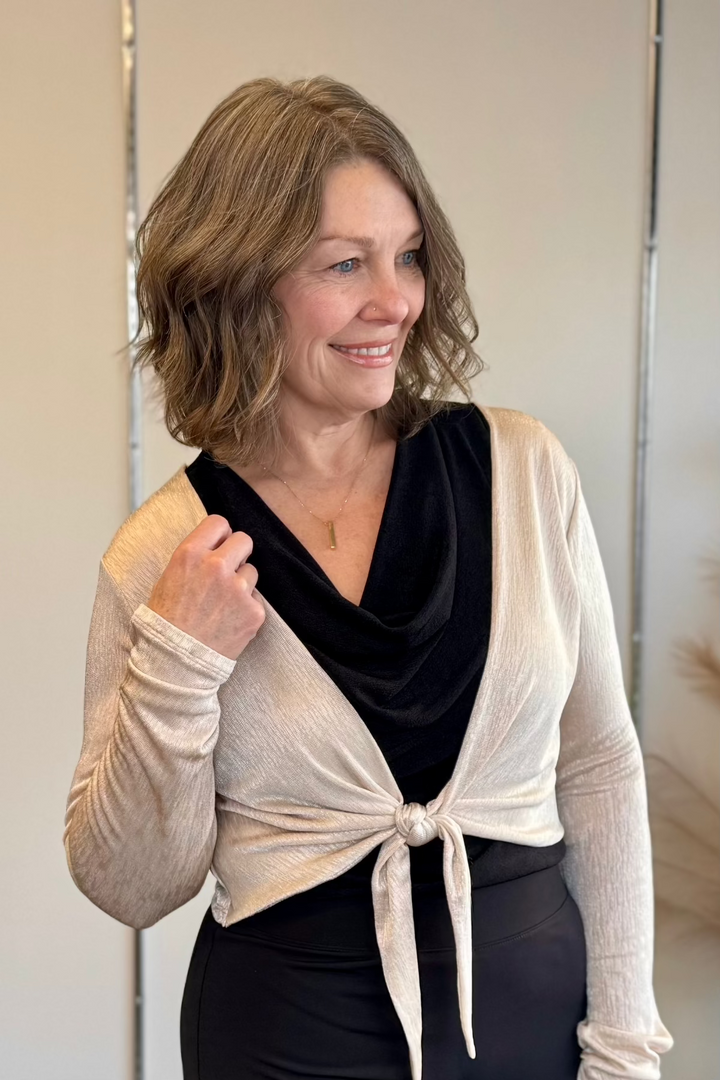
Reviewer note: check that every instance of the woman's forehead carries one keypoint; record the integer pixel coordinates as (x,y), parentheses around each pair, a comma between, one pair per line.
(360,199)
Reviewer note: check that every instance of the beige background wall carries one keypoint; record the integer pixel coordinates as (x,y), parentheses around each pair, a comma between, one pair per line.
(684,529)
(529,119)
(64,965)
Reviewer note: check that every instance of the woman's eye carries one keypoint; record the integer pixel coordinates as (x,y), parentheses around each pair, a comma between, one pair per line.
(346,267)
(346,262)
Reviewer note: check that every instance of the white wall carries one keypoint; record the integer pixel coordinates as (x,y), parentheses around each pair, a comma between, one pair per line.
(685,507)
(529,119)
(683,726)
(64,965)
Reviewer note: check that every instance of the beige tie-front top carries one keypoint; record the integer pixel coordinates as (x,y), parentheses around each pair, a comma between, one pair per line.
(261,771)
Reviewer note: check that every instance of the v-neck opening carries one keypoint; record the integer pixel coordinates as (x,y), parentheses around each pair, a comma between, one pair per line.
(295,642)
(295,542)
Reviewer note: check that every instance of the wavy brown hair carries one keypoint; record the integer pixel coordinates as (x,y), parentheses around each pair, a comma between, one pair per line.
(240,209)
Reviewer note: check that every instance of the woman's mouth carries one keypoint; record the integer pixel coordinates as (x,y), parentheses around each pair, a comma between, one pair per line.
(367,356)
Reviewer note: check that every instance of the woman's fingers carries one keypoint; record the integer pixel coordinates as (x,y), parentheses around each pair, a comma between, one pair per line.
(208,587)
(249,575)
(235,550)
(209,534)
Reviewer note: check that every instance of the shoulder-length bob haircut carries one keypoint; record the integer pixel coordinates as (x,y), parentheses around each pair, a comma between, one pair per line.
(239,210)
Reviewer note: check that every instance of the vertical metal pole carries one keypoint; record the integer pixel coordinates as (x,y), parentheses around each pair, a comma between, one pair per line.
(646,357)
(135,406)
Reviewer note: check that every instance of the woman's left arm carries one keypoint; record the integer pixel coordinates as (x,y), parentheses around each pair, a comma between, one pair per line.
(602,804)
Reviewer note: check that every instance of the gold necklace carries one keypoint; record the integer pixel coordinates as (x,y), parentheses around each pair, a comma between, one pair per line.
(330,525)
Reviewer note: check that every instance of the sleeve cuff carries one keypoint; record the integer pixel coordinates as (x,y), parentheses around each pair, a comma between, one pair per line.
(609,1052)
(197,656)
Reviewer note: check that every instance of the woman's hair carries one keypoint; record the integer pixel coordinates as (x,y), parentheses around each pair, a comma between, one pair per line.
(240,209)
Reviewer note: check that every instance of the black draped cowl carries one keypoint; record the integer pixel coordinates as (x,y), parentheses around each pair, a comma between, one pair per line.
(411,655)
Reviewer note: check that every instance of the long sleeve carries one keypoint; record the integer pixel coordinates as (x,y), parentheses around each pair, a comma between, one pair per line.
(602,804)
(140,825)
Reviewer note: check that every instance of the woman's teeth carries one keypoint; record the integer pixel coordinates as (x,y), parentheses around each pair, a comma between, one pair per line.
(383,350)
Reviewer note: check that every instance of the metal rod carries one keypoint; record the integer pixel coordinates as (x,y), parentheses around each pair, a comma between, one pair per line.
(135,405)
(646,361)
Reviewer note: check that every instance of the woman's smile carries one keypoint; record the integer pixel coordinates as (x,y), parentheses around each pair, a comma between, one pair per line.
(366,355)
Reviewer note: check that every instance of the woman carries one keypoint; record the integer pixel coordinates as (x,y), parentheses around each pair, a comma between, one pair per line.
(406,757)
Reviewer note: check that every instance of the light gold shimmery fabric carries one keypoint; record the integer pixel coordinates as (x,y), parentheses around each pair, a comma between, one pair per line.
(261,771)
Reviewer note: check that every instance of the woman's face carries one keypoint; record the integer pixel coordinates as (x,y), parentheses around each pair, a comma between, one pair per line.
(349,293)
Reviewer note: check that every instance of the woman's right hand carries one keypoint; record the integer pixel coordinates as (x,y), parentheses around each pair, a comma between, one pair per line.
(207,588)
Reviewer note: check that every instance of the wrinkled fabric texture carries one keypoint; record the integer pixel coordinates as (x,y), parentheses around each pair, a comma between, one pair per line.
(261,770)
(410,656)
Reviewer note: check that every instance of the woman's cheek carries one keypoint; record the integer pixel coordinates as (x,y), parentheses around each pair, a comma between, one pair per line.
(417,304)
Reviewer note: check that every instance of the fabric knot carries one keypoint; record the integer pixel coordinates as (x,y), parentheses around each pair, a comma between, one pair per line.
(414,823)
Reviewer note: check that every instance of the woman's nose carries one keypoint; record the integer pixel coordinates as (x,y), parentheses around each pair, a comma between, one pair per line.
(387,301)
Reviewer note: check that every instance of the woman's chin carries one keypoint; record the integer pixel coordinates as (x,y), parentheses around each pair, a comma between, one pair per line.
(376,395)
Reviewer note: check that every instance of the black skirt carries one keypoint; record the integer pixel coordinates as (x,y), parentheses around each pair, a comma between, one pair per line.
(297,992)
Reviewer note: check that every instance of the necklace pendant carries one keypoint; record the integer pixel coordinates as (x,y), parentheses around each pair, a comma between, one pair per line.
(331,533)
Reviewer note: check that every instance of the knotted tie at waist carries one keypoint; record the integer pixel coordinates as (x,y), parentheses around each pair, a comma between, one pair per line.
(402,825)
(394,923)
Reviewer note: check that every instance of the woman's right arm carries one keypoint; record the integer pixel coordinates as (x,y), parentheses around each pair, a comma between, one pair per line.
(140,825)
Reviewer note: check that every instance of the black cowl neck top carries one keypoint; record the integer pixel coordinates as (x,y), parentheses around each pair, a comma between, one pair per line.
(410,656)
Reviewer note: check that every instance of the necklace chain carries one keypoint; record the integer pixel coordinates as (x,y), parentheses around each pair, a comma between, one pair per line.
(330,525)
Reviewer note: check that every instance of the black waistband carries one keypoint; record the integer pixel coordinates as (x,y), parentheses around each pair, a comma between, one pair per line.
(344,922)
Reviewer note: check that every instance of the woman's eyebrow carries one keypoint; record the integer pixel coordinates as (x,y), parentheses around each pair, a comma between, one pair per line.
(364,241)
